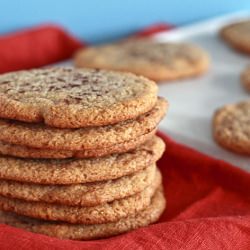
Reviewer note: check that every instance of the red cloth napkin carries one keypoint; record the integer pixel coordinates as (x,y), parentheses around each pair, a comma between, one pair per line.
(36,47)
(208,199)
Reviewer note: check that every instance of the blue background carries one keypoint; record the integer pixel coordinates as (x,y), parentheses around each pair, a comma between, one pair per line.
(98,21)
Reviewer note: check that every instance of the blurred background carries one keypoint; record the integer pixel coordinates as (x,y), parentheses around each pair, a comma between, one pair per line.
(98,21)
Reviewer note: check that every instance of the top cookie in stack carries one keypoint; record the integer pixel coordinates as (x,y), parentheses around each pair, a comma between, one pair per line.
(71,98)
(65,112)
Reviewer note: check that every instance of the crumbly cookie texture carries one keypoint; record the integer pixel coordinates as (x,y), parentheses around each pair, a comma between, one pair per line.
(157,61)
(88,232)
(37,153)
(104,213)
(73,171)
(245,78)
(237,35)
(73,98)
(231,127)
(42,136)
(89,194)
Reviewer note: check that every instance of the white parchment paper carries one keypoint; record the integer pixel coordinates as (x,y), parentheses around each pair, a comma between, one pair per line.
(193,101)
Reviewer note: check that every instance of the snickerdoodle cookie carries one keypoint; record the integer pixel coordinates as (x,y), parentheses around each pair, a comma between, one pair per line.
(73,98)
(231,127)
(157,61)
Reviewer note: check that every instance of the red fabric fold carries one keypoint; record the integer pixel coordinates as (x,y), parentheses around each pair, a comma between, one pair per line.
(36,47)
(208,200)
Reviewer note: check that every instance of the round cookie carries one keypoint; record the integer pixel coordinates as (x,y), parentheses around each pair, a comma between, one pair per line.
(73,98)
(237,35)
(245,79)
(88,232)
(107,212)
(37,153)
(73,171)
(41,136)
(157,61)
(89,194)
(231,127)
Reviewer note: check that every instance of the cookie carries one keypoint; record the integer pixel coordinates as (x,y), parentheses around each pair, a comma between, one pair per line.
(89,232)
(74,98)
(41,136)
(73,171)
(237,35)
(154,60)
(231,127)
(245,79)
(28,152)
(104,213)
(89,194)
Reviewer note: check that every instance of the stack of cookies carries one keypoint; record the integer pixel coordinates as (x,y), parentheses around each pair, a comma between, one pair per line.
(79,151)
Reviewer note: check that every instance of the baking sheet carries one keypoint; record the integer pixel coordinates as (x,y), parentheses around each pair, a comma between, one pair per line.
(193,101)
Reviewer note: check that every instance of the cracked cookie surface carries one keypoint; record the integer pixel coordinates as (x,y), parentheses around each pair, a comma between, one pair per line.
(73,98)
(237,35)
